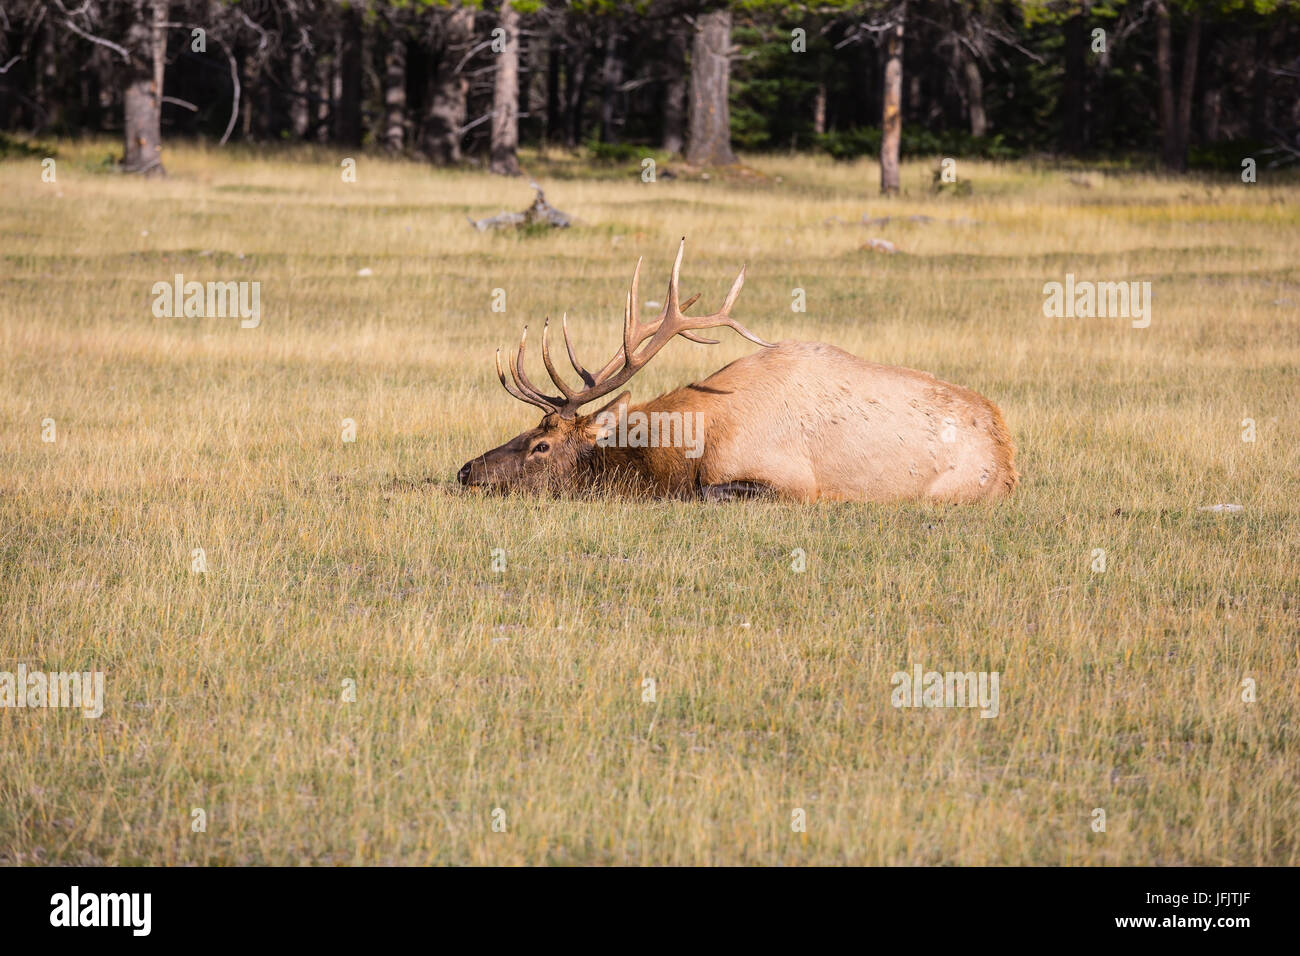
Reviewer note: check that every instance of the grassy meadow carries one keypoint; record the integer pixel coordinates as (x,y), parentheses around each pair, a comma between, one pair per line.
(334,564)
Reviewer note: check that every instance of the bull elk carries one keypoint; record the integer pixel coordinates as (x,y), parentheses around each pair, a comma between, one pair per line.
(800,421)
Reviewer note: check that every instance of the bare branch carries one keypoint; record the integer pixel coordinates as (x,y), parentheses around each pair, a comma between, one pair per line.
(234,102)
(94,39)
(473,50)
(482,119)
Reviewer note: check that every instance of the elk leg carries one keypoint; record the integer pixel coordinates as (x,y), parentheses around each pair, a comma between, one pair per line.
(731,490)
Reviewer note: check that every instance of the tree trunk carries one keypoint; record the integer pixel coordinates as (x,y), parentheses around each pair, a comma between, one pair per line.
(246,115)
(45,87)
(1188,88)
(709,142)
(395,89)
(277,99)
(674,133)
(1165,72)
(505,97)
(819,111)
(89,113)
(348,129)
(447,101)
(325,101)
(1175,103)
(554,107)
(954,100)
(1212,96)
(1073,134)
(611,79)
(979,124)
(1261,117)
(146,41)
(891,121)
(575,93)
(301,87)
(1211,114)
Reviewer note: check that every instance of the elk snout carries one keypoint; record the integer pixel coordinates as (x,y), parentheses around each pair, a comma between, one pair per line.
(470,476)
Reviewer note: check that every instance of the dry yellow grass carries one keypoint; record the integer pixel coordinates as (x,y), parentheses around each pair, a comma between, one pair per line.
(522,690)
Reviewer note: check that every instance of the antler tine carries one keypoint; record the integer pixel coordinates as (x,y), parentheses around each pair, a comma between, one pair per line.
(636,351)
(725,312)
(546,360)
(634,333)
(516,392)
(671,307)
(525,386)
(521,377)
(737,327)
(736,286)
(628,322)
(573,359)
(691,335)
(723,316)
(636,284)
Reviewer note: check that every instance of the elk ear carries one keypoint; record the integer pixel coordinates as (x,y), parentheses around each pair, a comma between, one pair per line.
(604,422)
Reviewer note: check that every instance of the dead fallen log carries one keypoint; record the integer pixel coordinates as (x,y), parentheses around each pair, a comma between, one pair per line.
(540,213)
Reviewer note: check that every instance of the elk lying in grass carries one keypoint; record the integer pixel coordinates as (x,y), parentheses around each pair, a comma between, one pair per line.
(798,420)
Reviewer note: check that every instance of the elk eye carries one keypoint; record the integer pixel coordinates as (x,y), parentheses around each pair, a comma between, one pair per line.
(541,447)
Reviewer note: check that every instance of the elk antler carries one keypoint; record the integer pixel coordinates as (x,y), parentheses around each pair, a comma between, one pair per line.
(627,361)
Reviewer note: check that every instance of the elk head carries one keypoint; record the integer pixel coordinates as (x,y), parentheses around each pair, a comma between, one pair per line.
(548,457)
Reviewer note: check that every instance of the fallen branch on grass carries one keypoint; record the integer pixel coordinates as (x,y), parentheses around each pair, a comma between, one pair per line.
(540,213)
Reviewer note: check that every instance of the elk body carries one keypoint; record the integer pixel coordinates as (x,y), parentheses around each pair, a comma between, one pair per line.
(801,421)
